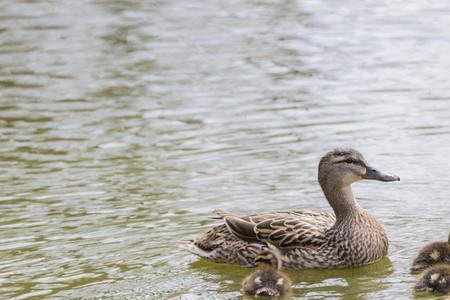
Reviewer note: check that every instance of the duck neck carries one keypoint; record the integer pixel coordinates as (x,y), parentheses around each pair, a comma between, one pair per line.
(341,200)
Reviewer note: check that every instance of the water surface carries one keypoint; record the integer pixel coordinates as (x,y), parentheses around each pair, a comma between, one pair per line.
(123,124)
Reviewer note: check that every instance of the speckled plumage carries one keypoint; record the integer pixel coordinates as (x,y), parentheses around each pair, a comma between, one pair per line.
(434,279)
(306,239)
(431,254)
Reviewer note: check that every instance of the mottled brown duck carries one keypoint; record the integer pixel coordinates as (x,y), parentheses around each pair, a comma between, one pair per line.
(434,279)
(431,254)
(268,280)
(306,239)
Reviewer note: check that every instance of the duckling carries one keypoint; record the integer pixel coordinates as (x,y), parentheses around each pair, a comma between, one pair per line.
(267,280)
(309,240)
(434,279)
(431,254)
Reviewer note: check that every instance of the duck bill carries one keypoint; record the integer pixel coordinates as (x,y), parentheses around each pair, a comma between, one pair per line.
(374,174)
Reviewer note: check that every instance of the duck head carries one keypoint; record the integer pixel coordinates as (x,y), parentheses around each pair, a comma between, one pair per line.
(344,166)
(338,169)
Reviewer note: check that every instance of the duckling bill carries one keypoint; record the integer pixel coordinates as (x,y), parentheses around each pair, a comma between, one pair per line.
(431,254)
(434,279)
(267,281)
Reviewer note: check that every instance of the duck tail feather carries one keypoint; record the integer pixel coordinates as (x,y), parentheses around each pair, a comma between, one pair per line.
(190,246)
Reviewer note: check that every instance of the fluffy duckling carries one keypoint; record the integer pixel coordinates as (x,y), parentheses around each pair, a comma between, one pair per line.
(267,281)
(431,254)
(434,279)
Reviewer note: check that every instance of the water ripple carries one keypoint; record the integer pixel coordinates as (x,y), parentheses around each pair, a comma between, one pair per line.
(123,124)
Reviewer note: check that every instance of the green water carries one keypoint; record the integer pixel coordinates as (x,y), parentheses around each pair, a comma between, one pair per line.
(123,124)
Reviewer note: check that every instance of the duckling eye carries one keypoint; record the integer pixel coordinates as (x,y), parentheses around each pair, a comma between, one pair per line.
(350,161)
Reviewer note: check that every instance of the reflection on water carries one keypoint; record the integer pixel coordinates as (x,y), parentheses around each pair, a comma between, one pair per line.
(355,283)
(124,123)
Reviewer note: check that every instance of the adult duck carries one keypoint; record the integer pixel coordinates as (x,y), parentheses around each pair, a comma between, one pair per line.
(306,239)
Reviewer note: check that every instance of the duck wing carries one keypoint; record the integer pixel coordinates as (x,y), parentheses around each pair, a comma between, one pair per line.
(282,229)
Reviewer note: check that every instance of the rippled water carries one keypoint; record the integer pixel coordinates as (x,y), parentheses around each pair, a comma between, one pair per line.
(123,124)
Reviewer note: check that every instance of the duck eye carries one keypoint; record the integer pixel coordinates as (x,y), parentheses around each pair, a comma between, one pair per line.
(350,161)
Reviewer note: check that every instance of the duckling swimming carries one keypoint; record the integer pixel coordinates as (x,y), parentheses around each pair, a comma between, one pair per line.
(431,254)
(434,279)
(349,237)
(268,280)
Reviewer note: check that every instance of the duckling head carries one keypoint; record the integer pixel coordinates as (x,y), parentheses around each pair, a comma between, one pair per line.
(266,282)
(435,279)
(343,166)
(431,254)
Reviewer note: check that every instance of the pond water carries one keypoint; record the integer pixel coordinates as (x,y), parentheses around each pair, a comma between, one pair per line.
(123,124)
